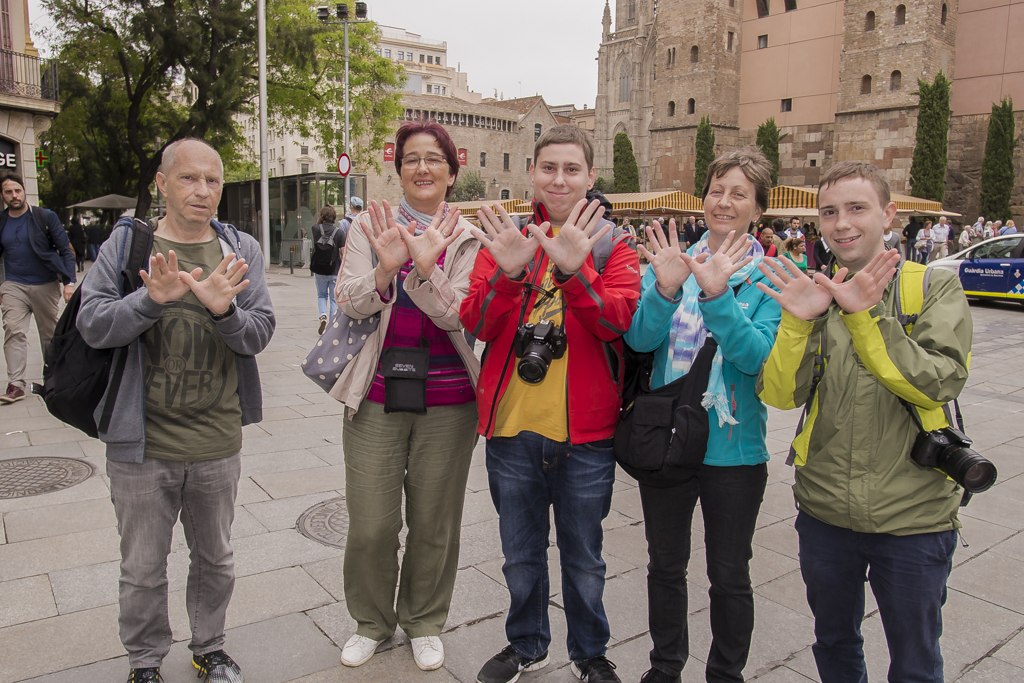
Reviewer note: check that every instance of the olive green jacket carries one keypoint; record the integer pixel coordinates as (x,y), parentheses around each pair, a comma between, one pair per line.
(852,457)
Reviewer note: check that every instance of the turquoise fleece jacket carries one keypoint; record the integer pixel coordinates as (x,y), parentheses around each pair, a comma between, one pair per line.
(744,325)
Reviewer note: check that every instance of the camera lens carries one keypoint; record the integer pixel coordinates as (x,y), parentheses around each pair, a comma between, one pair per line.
(969,469)
(533,366)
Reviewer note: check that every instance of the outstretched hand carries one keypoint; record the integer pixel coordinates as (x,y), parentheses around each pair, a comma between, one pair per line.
(798,294)
(426,248)
(509,247)
(712,271)
(162,281)
(669,267)
(864,289)
(571,246)
(218,290)
(385,237)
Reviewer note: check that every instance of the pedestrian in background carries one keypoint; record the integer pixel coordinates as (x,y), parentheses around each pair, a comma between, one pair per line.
(940,239)
(795,252)
(325,261)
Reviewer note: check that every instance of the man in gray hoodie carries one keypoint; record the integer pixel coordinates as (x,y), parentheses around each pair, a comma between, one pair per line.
(190,384)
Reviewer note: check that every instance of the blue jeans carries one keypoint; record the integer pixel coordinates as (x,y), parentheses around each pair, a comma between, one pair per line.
(325,293)
(529,473)
(908,577)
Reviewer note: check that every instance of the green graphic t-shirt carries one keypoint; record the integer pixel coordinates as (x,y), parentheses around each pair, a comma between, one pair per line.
(192,409)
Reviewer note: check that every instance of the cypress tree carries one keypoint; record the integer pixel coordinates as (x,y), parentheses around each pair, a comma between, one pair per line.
(928,170)
(705,148)
(627,175)
(997,168)
(768,142)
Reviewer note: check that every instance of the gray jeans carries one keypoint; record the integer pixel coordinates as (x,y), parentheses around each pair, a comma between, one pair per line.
(18,304)
(148,499)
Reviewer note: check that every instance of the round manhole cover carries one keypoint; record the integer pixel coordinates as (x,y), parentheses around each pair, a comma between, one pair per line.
(326,522)
(24,477)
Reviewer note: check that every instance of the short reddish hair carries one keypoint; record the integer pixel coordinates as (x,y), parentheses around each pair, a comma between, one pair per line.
(437,131)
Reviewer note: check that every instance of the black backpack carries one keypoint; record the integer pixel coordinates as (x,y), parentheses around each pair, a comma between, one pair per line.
(322,260)
(75,375)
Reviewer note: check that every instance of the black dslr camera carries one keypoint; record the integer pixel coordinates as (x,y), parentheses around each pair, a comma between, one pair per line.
(949,450)
(535,347)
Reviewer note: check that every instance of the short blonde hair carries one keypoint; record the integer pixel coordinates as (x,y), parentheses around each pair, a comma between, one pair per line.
(858,169)
(755,167)
(566,134)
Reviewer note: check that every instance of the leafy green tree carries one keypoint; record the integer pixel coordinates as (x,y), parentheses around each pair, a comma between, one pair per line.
(705,152)
(997,168)
(187,68)
(768,141)
(469,187)
(627,175)
(928,169)
(603,185)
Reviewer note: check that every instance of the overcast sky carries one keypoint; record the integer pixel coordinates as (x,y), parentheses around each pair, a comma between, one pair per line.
(527,47)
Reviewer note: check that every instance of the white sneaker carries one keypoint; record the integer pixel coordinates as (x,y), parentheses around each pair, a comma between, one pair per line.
(358,650)
(428,652)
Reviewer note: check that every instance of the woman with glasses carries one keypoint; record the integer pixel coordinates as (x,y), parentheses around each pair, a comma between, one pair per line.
(410,267)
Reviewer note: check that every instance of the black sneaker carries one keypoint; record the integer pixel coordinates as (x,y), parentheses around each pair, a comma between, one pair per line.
(595,670)
(323,325)
(144,676)
(506,666)
(217,667)
(655,676)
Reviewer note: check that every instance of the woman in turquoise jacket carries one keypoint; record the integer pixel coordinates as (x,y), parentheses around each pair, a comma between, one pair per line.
(686,297)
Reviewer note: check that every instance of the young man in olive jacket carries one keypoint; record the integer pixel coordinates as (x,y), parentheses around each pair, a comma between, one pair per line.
(868,511)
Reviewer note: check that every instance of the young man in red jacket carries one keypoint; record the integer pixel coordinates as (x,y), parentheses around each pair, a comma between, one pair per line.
(549,397)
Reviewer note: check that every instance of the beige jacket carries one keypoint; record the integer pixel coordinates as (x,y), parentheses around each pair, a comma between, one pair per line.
(439,297)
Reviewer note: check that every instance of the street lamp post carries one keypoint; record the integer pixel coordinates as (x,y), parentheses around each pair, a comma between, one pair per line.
(324,15)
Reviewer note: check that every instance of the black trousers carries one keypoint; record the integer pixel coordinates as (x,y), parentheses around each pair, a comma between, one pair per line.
(730,498)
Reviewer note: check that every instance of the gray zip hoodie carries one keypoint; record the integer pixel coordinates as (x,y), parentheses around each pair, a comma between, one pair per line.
(109,320)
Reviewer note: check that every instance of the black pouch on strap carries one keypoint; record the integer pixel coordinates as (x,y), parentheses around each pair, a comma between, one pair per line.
(405,379)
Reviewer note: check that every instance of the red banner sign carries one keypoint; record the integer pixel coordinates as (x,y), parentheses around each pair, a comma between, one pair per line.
(389,152)
(462,157)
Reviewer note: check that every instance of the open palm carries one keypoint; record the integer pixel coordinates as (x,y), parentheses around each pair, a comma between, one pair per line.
(385,237)
(865,289)
(509,247)
(713,271)
(426,248)
(669,267)
(571,246)
(797,294)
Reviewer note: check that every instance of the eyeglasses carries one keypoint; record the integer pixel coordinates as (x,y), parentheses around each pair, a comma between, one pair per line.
(412,162)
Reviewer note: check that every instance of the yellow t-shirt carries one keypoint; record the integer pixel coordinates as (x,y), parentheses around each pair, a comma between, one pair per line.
(540,408)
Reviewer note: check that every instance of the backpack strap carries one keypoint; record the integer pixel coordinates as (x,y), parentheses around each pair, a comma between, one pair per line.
(138,258)
(911,290)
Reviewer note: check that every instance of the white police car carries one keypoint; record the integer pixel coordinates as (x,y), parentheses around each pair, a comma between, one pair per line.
(993,269)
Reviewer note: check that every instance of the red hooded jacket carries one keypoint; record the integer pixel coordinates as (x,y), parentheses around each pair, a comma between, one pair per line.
(599,309)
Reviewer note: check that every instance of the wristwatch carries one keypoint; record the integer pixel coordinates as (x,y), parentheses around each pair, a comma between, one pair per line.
(223,316)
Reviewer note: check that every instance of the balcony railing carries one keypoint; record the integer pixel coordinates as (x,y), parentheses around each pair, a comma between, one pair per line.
(28,76)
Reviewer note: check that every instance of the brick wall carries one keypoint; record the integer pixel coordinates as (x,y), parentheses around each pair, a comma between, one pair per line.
(967,137)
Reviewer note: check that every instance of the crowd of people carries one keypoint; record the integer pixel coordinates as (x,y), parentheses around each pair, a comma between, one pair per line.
(561,304)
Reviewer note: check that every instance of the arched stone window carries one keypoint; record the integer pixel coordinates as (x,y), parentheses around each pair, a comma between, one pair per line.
(625,78)
(691,106)
(896,80)
(869,22)
(901,15)
(694,54)
(945,13)
(865,85)
(671,108)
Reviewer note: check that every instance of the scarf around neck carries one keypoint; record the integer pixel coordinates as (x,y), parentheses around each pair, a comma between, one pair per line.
(407,214)
(688,333)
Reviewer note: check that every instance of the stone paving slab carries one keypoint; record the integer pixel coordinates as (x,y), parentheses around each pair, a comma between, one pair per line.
(288,618)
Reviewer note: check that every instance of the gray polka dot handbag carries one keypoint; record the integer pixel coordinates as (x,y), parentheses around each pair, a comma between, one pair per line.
(337,346)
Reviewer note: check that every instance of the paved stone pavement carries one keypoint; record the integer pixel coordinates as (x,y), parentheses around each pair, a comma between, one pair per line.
(287,620)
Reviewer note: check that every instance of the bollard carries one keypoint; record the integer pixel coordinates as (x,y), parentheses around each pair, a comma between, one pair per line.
(291,260)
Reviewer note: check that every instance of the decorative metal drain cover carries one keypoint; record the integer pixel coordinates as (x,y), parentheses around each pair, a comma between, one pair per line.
(25,477)
(325,522)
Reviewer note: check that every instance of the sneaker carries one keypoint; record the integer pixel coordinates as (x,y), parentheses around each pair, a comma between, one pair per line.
(506,666)
(144,676)
(14,393)
(655,676)
(358,650)
(217,667)
(428,652)
(323,324)
(595,670)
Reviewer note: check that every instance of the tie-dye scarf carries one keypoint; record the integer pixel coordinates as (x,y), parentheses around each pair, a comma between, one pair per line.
(688,333)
